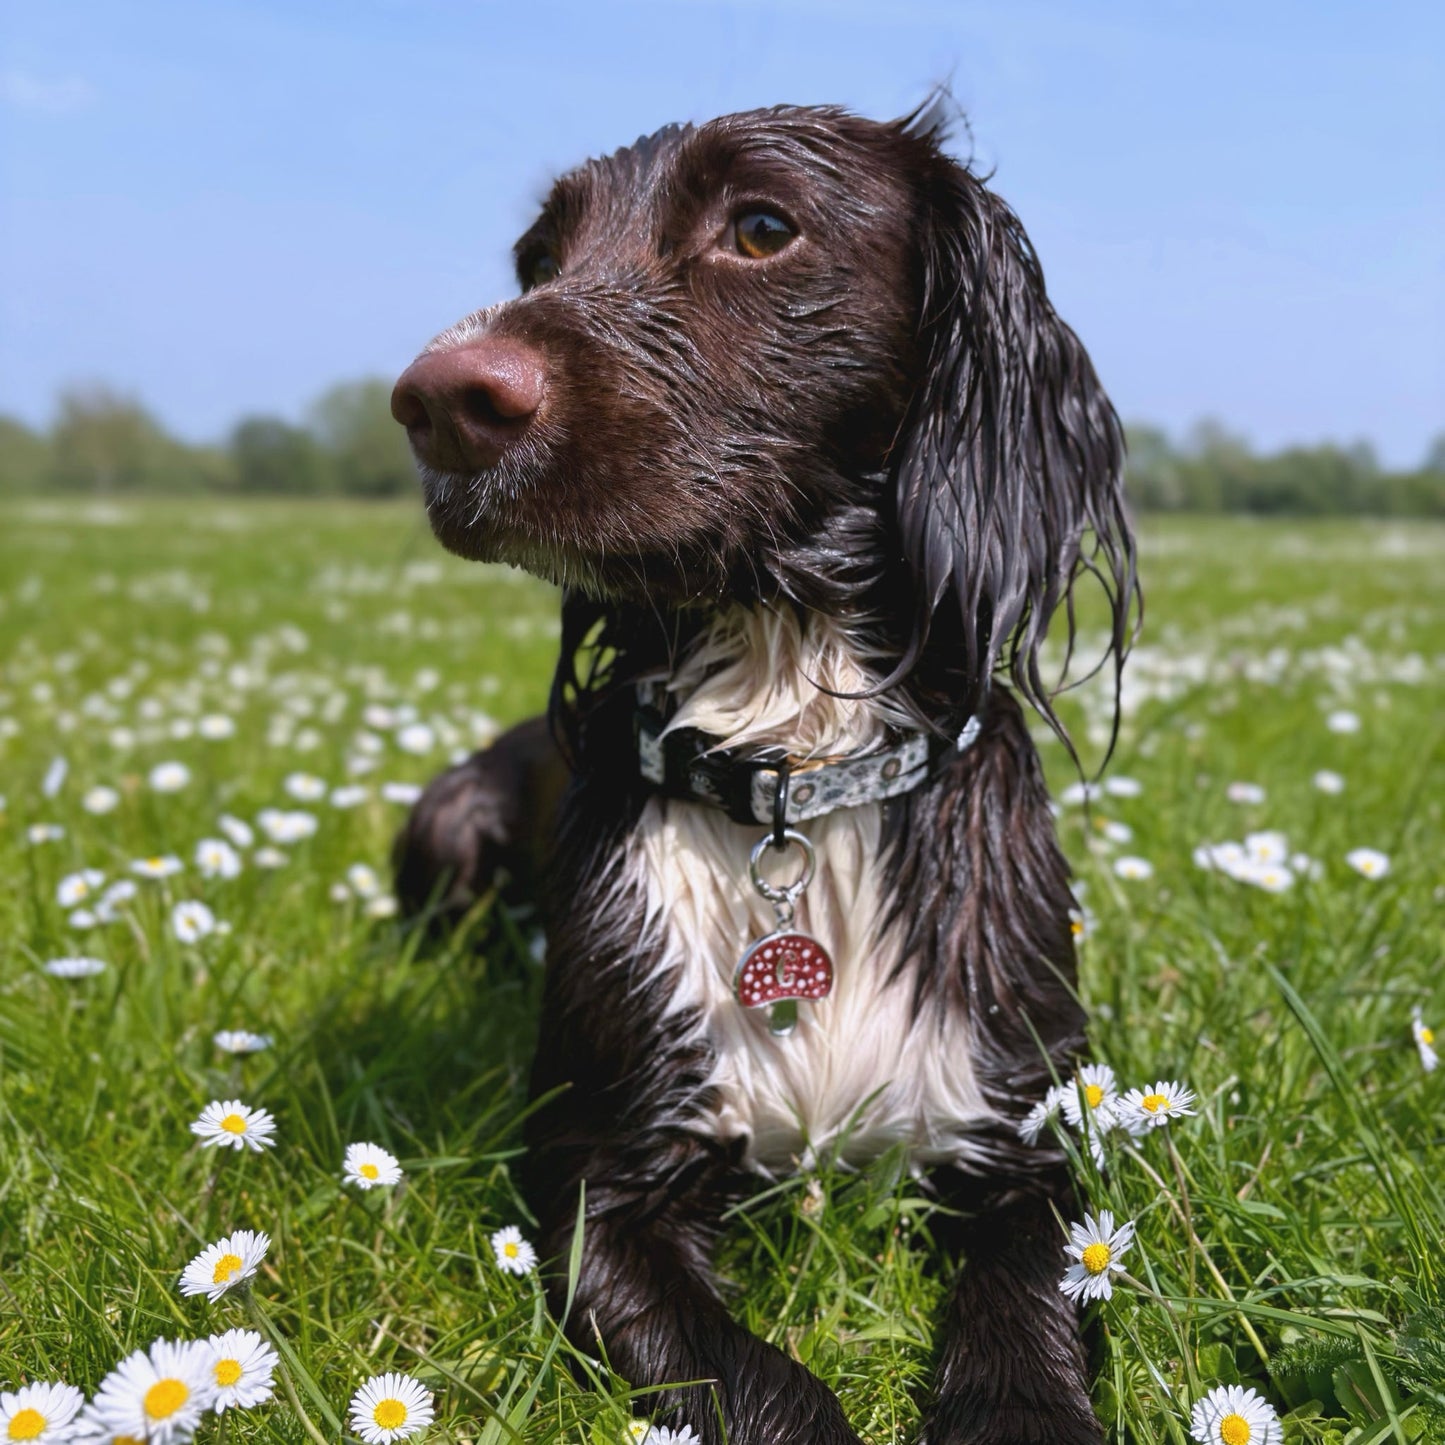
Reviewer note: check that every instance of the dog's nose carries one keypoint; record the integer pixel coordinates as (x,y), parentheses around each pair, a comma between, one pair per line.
(462,408)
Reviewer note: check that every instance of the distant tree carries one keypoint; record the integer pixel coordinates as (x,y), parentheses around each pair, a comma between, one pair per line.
(271,455)
(24,457)
(1435,456)
(105,442)
(1152,471)
(368,450)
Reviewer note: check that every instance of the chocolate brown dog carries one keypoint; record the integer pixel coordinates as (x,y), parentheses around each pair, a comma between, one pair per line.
(786,411)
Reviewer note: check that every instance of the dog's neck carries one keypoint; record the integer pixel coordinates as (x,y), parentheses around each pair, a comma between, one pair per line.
(766,677)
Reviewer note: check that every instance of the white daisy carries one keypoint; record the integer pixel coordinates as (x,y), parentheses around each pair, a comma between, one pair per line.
(636,1431)
(1268,846)
(1244,793)
(1343,721)
(1303,866)
(156,1395)
(231,1124)
(225,1264)
(241,1041)
(169,777)
(268,857)
(38,1414)
(1233,1415)
(1097,1247)
(1143,1109)
(215,858)
(1424,1041)
(82,919)
(240,834)
(1329,782)
(363,880)
(38,833)
(390,1407)
(241,1364)
(1079,793)
(369,1165)
(1081,923)
(1272,877)
(74,967)
(1114,831)
(192,921)
(1369,861)
(351,796)
(404,793)
(1092,1091)
(513,1253)
(1133,869)
(215,727)
(661,1435)
(75,888)
(416,738)
(160,865)
(120,892)
(305,787)
(1123,787)
(382,906)
(100,799)
(1032,1124)
(339,893)
(283,825)
(55,776)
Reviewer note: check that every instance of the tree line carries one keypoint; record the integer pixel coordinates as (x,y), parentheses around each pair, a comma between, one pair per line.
(102,442)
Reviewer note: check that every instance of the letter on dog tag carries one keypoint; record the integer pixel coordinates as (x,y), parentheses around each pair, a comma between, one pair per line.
(779,970)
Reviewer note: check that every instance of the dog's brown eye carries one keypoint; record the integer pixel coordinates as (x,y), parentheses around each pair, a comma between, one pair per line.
(761,234)
(542,269)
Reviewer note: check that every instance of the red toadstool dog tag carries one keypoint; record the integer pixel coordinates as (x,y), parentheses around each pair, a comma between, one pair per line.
(784,966)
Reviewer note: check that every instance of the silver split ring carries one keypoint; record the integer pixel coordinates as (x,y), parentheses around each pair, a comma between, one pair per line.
(793,891)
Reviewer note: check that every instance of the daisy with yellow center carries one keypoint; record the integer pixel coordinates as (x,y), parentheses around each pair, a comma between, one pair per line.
(242,1364)
(225,1264)
(38,1414)
(231,1124)
(1091,1093)
(513,1254)
(1368,861)
(1424,1037)
(1096,1247)
(156,1395)
(1233,1415)
(75,888)
(1143,1109)
(160,865)
(390,1407)
(369,1166)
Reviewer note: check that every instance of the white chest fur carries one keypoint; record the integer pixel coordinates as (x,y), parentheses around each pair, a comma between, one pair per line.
(860,1071)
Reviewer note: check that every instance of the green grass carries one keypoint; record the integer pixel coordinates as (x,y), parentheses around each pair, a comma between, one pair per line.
(1291,1236)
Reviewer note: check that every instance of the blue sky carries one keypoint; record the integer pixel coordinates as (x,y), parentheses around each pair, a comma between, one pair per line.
(222,207)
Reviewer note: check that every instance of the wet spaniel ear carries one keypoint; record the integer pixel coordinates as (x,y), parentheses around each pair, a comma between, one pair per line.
(1009,468)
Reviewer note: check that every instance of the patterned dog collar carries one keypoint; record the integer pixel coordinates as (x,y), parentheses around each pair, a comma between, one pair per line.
(689,764)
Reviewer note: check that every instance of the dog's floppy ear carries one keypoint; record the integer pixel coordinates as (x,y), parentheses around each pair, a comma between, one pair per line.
(1009,468)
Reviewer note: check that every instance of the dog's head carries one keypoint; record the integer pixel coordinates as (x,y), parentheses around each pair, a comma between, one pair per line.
(789,352)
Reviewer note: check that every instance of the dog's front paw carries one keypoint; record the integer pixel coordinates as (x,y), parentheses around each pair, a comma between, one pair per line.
(976,1422)
(455,844)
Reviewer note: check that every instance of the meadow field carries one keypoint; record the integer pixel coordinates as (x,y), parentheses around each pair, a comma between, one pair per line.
(230,705)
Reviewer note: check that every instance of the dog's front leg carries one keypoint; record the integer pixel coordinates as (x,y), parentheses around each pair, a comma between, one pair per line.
(486,821)
(1011,1368)
(646,1299)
